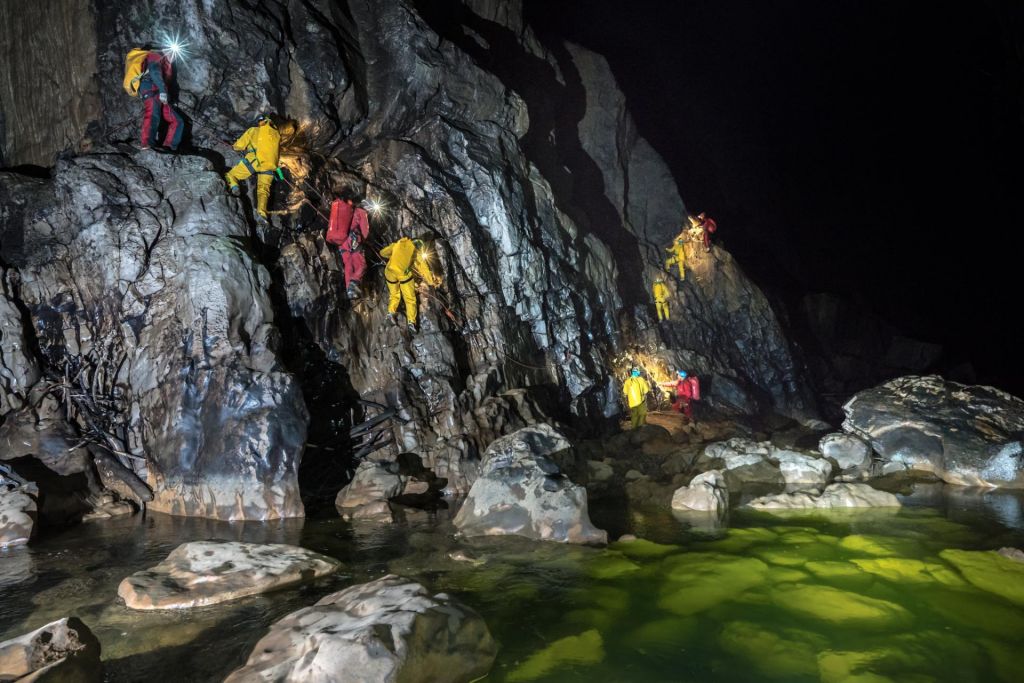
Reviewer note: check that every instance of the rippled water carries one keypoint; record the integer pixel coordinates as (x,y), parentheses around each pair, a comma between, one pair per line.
(864,596)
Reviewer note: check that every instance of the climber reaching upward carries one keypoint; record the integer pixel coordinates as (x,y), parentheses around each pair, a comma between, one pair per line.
(404,257)
(261,146)
(678,251)
(707,226)
(661,294)
(348,230)
(150,74)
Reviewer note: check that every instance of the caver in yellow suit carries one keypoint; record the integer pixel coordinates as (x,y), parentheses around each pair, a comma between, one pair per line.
(403,257)
(678,251)
(636,389)
(261,145)
(661,294)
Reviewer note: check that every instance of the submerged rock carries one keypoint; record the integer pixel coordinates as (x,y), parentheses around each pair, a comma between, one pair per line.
(784,654)
(207,572)
(521,491)
(966,435)
(838,606)
(17,515)
(990,571)
(386,631)
(585,649)
(64,650)
(706,492)
(834,496)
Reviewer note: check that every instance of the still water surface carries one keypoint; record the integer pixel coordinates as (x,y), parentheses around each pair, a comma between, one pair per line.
(852,597)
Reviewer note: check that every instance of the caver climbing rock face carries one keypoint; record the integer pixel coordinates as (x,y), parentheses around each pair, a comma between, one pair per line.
(138,275)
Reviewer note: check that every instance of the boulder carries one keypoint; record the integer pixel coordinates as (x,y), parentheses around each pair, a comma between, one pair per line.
(1015,554)
(834,496)
(965,435)
(800,470)
(387,630)
(17,514)
(849,452)
(707,492)
(373,483)
(745,461)
(521,491)
(207,572)
(62,651)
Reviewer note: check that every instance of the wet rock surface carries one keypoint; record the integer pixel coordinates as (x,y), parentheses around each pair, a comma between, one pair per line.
(851,453)
(388,630)
(707,492)
(843,495)
(965,435)
(65,650)
(522,491)
(17,514)
(207,572)
(746,462)
(205,336)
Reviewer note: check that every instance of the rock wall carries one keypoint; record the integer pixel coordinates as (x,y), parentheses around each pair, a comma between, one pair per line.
(48,85)
(544,211)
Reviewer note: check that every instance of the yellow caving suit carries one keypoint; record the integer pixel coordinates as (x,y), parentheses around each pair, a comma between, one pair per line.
(661,295)
(403,257)
(261,145)
(636,390)
(678,251)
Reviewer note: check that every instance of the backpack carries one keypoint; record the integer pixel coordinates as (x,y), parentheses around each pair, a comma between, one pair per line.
(133,70)
(694,388)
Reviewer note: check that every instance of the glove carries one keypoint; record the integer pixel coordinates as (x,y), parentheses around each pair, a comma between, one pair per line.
(163,97)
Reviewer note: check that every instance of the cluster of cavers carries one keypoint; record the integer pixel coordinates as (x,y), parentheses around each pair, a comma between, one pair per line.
(697,229)
(149,75)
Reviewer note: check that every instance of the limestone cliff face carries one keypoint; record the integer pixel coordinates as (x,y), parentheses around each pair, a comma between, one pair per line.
(545,212)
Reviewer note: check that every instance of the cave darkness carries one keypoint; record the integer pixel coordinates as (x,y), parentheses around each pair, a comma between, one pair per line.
(867,148)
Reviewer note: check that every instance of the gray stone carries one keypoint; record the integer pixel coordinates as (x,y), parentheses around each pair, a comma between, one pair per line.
(510,497)
(707,492)
(17,514)
(965,435)
(1012,553)
(386,631)
(373,482)
(63,651)
(834,496)
(802,470)
(849,451)
(207,572)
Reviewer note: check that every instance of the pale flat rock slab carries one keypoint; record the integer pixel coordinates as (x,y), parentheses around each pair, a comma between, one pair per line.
(384,631)
(208,572)
(1012,553)
(834,496)
(706,492)
(17,516)
(63,651)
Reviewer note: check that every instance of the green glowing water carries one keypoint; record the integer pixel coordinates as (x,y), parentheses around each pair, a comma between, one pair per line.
(867,597)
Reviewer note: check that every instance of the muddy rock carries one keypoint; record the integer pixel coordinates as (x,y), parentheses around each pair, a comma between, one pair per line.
(522,491)
(207,572)
(965,435)
(844,495)
(62,651)
(384,631)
